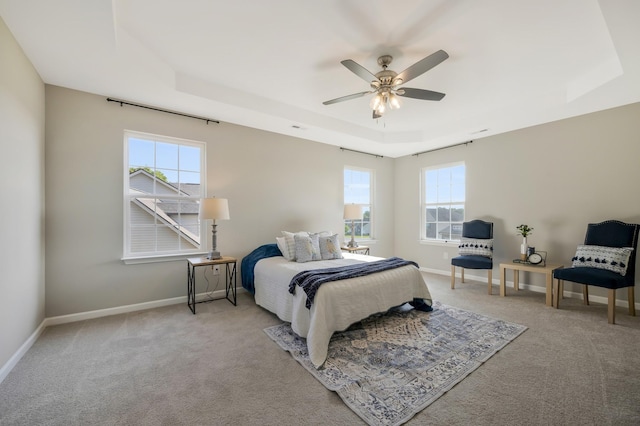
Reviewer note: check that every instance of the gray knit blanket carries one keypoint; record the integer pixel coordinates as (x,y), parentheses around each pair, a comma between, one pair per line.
(311,280)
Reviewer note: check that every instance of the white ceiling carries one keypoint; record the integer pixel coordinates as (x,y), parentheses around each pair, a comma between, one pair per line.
(271,64)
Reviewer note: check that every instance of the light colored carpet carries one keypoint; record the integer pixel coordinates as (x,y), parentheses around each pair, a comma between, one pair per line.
(168,367)
(389,366)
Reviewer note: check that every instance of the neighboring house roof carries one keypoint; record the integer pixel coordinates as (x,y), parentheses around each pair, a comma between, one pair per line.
(192,189)
(185,207)
(141,181)
(187,189)
(455,229)
(151,206)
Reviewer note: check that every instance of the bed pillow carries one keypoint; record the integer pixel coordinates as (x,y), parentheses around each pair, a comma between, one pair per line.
(282,245)
(615,259)
(291,244)
(330,247)
(323,233)
(475,247)
(307,247)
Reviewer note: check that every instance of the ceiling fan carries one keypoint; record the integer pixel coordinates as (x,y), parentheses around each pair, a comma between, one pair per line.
(385,84)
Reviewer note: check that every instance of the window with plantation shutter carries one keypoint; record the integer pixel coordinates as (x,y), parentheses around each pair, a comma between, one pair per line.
(164,182)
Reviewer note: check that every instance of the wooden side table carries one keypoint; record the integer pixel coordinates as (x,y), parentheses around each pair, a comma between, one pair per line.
(363,249)
(517,267)
(231,284)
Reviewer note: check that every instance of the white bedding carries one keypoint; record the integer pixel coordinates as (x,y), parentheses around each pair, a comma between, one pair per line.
(337,304)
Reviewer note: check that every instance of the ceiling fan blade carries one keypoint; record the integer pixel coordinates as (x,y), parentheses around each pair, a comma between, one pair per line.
(359,70)
(346,98)
(426,95)
(422,66)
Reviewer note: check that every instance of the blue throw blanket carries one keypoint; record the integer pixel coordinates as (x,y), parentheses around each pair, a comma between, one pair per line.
(248,264)
(310,281)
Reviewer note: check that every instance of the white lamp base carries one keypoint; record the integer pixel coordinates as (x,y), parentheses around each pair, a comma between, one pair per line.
(213,255)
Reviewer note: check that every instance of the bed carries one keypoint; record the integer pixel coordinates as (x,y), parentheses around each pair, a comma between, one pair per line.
(337,304)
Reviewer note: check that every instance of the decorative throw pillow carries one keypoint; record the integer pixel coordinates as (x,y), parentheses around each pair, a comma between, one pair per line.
(291,244)
(282,245)
(615,259)
(330,247)
(475,247)
(307,247)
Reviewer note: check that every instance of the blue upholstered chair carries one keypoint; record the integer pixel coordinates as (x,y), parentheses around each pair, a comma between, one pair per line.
(601,260)
(474,230)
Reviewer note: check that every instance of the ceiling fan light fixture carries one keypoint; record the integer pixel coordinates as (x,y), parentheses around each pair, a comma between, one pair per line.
(385,84)
(394,103)
(376,101)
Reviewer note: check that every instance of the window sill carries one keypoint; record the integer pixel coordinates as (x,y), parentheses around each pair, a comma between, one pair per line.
(441,243)
(160,258)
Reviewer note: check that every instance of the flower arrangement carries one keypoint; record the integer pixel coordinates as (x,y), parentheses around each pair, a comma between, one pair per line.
(524,230)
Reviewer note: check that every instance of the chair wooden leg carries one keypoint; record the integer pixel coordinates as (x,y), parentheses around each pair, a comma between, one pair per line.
(461,275)
(453,277)
(612,306)
(490,279)
(585,294)
(632,302)
(559,291)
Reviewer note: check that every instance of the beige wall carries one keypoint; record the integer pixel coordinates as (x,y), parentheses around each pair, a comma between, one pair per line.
(21,197)
(556,177)
(273,183)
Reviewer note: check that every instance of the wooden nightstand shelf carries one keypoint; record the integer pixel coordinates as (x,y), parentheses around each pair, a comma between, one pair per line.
(363,249)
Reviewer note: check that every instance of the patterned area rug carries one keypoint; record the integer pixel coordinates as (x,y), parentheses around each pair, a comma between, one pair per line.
(390,366)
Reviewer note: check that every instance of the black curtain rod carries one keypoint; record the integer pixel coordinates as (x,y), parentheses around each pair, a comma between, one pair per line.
(207,120)
(444,147)
(361,152)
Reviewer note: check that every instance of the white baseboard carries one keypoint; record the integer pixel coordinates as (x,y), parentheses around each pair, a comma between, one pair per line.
(82,316)
(538,289)
(8,366)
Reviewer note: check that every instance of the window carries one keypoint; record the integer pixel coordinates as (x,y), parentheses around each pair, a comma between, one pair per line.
(442,200)
(164,181)
(358,189)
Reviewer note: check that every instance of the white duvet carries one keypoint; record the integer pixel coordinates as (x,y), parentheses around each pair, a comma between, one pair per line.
(337,304)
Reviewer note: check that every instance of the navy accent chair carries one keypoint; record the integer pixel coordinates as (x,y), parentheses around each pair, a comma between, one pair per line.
(478,229)
(611,233)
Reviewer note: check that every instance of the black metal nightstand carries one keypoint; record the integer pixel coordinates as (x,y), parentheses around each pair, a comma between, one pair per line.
(363,249)
(231,284)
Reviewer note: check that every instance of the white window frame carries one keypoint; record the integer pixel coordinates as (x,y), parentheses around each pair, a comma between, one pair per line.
(371,204)
(451,202)
(130,256)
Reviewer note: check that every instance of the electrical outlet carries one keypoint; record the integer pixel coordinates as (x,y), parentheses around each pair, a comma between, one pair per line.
(216,269)
(445,255)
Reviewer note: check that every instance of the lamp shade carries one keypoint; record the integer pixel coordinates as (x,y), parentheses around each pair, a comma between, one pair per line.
(352,211)
(214,208)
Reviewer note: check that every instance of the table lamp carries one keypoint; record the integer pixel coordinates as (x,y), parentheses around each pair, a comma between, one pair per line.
(215,209)
(353,212)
